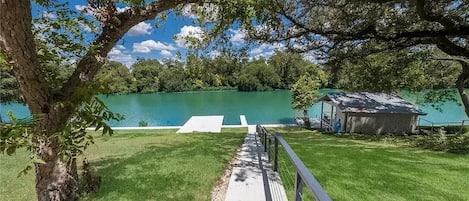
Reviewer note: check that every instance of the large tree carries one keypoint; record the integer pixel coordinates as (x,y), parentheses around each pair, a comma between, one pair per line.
(337,29)
(145,73)
(53,106)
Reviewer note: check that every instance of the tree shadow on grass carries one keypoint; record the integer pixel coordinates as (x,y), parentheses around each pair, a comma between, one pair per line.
(458,144)
(166,171)
(355,170)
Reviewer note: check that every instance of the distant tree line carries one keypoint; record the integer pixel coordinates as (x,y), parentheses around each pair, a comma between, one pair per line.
(386,71)
(280,71)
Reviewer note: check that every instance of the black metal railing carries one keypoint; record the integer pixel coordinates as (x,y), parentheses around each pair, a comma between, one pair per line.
(303,177)
(434,125)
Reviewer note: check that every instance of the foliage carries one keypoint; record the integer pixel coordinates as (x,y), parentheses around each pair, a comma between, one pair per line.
(142,123)
(264,73)
(290,66)
(9,91)
(247,82)
(338,30)
(343,26)
(395,71)
(15,134)
(145,73)
(305,92)
(115,78)
(74,139)
(172,79)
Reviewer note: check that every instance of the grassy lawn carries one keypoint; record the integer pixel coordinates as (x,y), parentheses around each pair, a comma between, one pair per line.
(359,169)
(142,165)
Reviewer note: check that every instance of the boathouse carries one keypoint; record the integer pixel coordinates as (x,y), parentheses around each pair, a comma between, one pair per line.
(369,113)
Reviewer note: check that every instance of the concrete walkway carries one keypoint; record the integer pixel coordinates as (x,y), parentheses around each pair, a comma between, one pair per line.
(252,178)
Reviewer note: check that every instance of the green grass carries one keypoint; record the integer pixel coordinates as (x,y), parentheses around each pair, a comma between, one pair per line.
(142,165)
(359,169)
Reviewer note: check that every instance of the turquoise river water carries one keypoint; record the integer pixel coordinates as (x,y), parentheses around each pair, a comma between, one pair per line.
(270,107)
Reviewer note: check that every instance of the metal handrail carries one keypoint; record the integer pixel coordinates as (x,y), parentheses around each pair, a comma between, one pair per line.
(303,175)
(439,124)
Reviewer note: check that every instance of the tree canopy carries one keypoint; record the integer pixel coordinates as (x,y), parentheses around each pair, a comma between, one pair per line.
(305,93)
(340,29)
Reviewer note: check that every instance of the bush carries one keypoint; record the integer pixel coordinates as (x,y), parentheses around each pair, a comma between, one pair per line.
(454,129)
(142,124)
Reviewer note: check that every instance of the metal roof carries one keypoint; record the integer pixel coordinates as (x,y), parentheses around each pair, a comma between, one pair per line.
(365,102)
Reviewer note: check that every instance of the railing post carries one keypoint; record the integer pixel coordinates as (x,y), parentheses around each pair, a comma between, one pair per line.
(275,153)
(262,135)
(462,128)
(268,150)
(265,142)
(432,129)
(298,187)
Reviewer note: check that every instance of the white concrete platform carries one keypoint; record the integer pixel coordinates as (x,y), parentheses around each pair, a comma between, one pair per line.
(202,124)
(244,122)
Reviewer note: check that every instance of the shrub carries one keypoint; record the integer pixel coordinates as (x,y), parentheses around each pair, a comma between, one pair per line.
(142,123)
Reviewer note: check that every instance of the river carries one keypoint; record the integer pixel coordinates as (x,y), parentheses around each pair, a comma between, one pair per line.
(270,107)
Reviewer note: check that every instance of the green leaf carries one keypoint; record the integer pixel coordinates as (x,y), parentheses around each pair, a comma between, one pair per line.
(24,171)
(37,161)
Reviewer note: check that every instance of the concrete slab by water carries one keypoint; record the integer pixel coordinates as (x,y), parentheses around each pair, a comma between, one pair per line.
(202,124)
(243,120)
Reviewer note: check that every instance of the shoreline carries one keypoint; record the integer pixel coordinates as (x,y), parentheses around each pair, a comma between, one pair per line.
(178,127)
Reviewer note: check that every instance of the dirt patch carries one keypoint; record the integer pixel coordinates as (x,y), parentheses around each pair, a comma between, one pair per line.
(220,188)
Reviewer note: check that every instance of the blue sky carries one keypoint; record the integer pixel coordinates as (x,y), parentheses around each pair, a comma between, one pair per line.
(146,41)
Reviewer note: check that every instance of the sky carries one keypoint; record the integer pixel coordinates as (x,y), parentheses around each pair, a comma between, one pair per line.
(147,41)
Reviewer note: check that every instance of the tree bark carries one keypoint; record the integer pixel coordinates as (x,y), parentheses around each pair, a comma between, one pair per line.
(17,41)
(306,119)
(460,85)
(462,78)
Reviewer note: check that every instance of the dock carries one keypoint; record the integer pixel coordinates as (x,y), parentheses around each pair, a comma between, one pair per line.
(211,124)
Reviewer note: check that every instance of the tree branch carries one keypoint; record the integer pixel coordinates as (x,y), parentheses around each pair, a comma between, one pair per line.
(118,24)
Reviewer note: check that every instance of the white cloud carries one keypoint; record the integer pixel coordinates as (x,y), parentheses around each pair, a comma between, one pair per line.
(119,56)
(257,50)
(85,27)
(141,28)
(166,53)
(188,12)
(267,47)
(190,35)
(120,47)
(49,15)
(238,36)
(80,7)
(120,10)
(214,53)
(265,50)
(207,10)
(149,45)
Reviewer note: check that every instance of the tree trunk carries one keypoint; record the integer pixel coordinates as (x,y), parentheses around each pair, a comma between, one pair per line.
(54,180)
(462,78)
(17,41)
(460,85)
(306,119)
